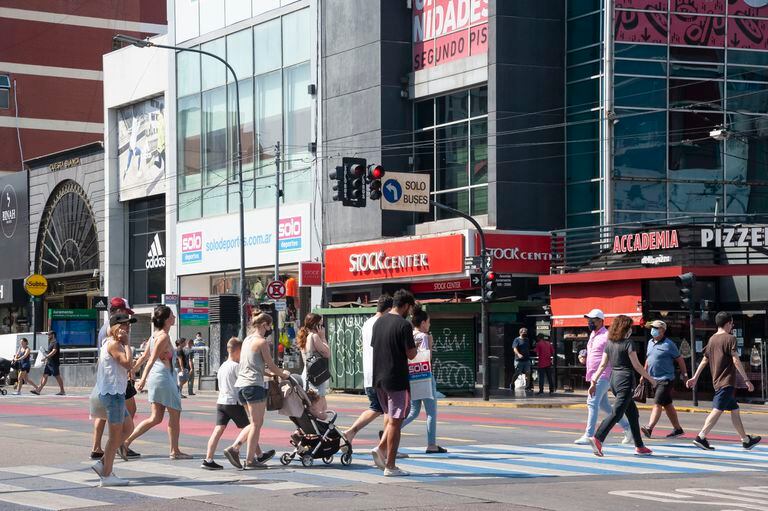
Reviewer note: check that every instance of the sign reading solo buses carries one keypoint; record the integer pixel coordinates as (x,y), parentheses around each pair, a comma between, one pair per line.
(405,191)
(36,285)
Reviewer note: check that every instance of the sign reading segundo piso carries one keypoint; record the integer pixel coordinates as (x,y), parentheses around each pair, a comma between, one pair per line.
(447,30)
(405,191)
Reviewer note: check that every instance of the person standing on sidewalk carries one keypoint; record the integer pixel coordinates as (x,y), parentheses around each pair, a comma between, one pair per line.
(52,366)
(393,347)
(189,351)
(545,351)
(598,340)
(620,354)
(115,360)
(660,359)
(228,408)
(722,357)
(521,347)
(423,340)
(374,410)
(22,358)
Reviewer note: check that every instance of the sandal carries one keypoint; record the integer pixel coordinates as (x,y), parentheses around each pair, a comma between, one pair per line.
(180,456)
(439,450)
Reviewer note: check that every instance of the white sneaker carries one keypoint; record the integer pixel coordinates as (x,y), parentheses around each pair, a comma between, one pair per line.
(402,455)
(98,467)
(113,480)
(582,440)
(627,439)
(17,393)
(378,459)
(395,472)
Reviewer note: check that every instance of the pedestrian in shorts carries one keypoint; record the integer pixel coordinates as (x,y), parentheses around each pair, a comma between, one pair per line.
(722,357)
(660,358)
(228,408)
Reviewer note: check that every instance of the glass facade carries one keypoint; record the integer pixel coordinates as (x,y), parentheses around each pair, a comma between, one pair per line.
(451,143)
(682,69)
(273,71)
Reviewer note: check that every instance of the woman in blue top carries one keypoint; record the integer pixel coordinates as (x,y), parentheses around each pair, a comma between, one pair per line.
(23,358)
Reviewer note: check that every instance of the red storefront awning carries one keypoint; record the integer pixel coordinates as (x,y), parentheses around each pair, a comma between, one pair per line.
(571,301)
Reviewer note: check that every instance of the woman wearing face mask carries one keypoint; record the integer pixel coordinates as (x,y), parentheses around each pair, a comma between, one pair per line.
(254,357)
(620,354)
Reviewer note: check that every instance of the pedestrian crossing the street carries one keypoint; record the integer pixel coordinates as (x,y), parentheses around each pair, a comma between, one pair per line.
(75,486)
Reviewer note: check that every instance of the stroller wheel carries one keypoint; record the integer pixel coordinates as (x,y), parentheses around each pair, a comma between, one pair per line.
(328,460)
(346,459)
(3,392)
(307,460)
(286,459)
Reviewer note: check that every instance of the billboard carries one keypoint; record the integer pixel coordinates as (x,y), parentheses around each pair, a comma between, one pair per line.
(447,30)
(213,244)
(141,149)
(14,225)
(74,327)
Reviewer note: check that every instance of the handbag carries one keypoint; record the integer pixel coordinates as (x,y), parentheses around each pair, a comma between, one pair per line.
(318,371)
(642,392)
(274,395)
(15,365)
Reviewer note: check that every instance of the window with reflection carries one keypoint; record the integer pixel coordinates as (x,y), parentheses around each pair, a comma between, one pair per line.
(189,143)
(640,142)
(693,154)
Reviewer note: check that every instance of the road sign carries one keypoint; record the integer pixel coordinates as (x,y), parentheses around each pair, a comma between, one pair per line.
(101,303)
(503,280)
(276,290)
(169,299)
(472,263)
(280,305)
(474,279)
(36,285)
(405,191)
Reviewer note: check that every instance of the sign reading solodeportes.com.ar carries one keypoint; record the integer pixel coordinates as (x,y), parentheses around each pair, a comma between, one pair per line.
(213,244)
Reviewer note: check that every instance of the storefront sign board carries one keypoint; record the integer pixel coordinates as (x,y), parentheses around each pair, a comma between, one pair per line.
(442,286)
(518,252)
(310,274)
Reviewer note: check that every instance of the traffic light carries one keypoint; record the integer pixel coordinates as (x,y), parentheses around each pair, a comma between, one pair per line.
(489,285)
(375,173)
(686,282)
(354,173)
(340,191)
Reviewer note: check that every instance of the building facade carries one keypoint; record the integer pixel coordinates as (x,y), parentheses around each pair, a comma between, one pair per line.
(50,71)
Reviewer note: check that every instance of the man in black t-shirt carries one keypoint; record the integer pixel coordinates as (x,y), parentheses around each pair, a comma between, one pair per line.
(52,365)
(393,346)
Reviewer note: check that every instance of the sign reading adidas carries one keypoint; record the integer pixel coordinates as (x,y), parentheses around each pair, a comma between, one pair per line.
(155,258)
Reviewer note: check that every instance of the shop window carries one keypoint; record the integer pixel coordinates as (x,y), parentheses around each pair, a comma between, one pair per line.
(148,254)
(640,142)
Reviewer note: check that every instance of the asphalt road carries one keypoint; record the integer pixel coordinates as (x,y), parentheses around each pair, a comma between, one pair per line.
(500,458)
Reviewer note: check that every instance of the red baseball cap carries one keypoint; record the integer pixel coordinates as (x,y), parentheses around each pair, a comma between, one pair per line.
(120,303)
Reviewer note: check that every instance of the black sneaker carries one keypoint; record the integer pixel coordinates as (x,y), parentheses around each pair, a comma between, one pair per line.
(753,441)
(381,434)
(132,454)
(676,433)
(266,456)
(702,443)
(254,465)
(96,455)
(210,465)
(646,431)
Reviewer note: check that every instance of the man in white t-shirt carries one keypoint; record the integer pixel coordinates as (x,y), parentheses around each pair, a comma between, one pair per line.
(228,408)
(374,407)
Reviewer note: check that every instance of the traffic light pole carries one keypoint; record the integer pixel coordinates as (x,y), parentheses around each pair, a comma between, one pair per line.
(691,311)
(483,302)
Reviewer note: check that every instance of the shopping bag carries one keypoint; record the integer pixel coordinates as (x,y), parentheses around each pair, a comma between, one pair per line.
(520,383)
(39,362)
(420,376)
(641,392)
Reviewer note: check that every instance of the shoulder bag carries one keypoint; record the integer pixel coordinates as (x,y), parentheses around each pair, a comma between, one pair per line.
(274,395)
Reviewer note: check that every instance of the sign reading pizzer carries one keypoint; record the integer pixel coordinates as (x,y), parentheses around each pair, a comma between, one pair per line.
(405,191)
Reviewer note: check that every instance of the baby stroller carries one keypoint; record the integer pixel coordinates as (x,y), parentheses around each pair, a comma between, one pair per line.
(316,438)
(5,375)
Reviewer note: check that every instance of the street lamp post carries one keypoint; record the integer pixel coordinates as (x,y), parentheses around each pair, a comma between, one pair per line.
(145,43)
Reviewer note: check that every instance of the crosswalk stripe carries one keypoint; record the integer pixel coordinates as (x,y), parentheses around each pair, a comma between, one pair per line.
(524,466)
(162,491)
(177,470)
(731,458)
(357,475)
(577,459)
(44,499)
(283,485)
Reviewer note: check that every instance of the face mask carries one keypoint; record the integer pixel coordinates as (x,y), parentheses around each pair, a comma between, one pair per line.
(267,333)
(592,326)
(654,332)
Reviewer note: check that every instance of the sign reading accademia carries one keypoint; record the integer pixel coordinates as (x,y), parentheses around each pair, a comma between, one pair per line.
(213,244)
(446,30)
(415,257)
(642,241)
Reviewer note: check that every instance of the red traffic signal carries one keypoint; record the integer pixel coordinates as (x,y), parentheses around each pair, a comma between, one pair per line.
(490,276)
(375,172)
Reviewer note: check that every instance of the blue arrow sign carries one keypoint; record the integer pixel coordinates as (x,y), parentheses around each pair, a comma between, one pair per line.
(392,191)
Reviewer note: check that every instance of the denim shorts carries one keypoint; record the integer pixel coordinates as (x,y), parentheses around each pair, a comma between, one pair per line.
(373,400)
(252,394)
(114,404)
(725,399)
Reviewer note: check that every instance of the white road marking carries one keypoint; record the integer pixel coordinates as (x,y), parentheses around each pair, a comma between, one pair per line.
(44,499)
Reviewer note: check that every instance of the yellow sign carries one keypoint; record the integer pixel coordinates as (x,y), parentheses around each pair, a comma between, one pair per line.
(36,285)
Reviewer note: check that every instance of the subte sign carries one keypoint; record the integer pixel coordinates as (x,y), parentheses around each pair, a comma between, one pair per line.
(405,191)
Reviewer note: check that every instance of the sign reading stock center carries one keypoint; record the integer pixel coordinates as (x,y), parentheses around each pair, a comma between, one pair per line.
(213,244)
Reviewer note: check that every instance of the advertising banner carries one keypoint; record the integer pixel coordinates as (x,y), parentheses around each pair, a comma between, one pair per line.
(141,149)
(415,257)
(213,244)
(447,30)
(518,253)
(193,311)
(74,327)
(14,225)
